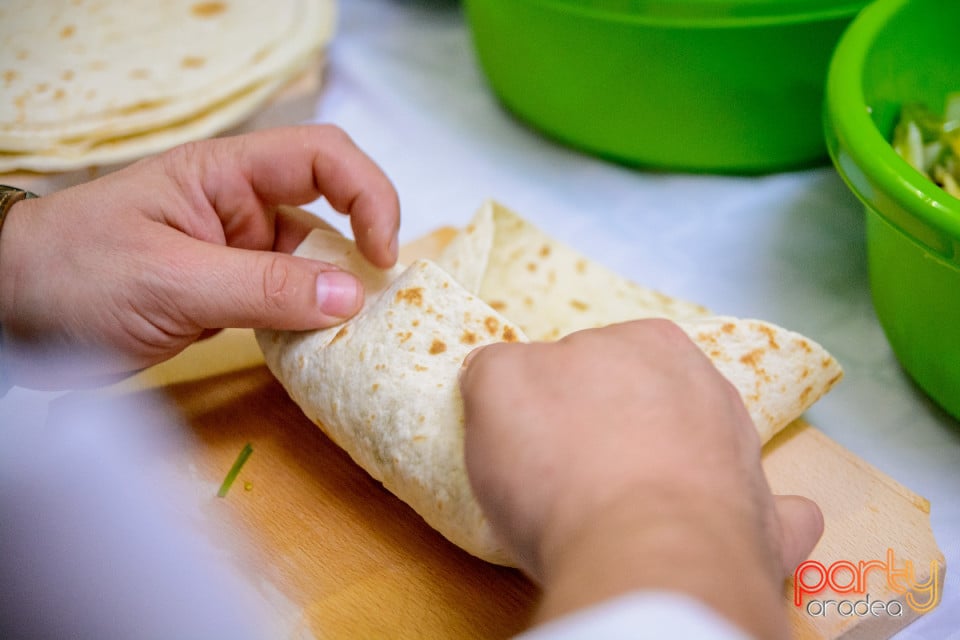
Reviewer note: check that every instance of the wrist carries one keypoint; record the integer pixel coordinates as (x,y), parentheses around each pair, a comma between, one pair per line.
(668,539)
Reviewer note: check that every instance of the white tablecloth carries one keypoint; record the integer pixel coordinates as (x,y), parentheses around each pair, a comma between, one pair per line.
(404,82)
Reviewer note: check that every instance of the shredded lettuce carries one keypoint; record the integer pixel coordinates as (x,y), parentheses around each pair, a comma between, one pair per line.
(930,142)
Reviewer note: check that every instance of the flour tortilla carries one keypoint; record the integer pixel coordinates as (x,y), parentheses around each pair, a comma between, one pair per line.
(205,124)
(79,74)
(383,385)
(543,285)
(778,373)
(551,290)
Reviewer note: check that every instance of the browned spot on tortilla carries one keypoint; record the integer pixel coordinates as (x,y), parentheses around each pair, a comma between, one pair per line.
(753,358)
(9,76)
(380,367)
(771,336)
(419,438)
(728,327)
(581,266)
(97,65)
(579,305)
(805,373)
(532,267)
(67,75)
(492,325)
(404,336)
(545,251)
(499,305)
(340,334)
(715,353)
(41,87)
(412,295)
(193,62)
(301,362)
(438,346)
(805,394)
(509,335)
(419,367)
(416,322)
(67,31)
(804,345)
(827,362)
(834,380)
(374,387)
(528,301)
(552,276)
(706,338)
(468,337)
(470,228)
(140,74)
(208,9)
(553,334)
(23,54)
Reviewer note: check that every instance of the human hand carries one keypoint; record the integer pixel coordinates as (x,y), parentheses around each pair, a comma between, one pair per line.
(127,270)
(620,459)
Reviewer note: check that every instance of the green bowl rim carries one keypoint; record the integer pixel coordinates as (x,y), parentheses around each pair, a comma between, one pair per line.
(704,13)
(863,142)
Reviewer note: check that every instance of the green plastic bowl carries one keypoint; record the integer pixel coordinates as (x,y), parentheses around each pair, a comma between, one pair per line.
(725,86)
(900,51)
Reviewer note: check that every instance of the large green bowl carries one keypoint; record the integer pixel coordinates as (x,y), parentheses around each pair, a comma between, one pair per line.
(900,51)
(729,86)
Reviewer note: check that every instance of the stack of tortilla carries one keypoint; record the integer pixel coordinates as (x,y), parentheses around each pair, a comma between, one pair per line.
(384,385)
(88,82)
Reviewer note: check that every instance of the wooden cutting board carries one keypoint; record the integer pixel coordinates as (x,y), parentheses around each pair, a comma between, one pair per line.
(355,562)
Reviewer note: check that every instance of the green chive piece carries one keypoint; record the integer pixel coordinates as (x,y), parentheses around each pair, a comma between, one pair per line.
(235,470)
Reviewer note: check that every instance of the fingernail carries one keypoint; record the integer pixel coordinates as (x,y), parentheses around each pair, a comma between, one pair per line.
(394,247)
(338,293)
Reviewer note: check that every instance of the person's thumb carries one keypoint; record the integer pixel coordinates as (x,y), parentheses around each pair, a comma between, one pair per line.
(801,525)
(229,287)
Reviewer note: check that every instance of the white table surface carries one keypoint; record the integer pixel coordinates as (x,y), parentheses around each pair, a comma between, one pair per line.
(404,82)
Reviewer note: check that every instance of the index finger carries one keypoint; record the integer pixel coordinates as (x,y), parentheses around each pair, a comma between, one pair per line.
(296,165)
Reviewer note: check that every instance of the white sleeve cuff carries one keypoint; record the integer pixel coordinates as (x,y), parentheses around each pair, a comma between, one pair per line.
(640,615)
